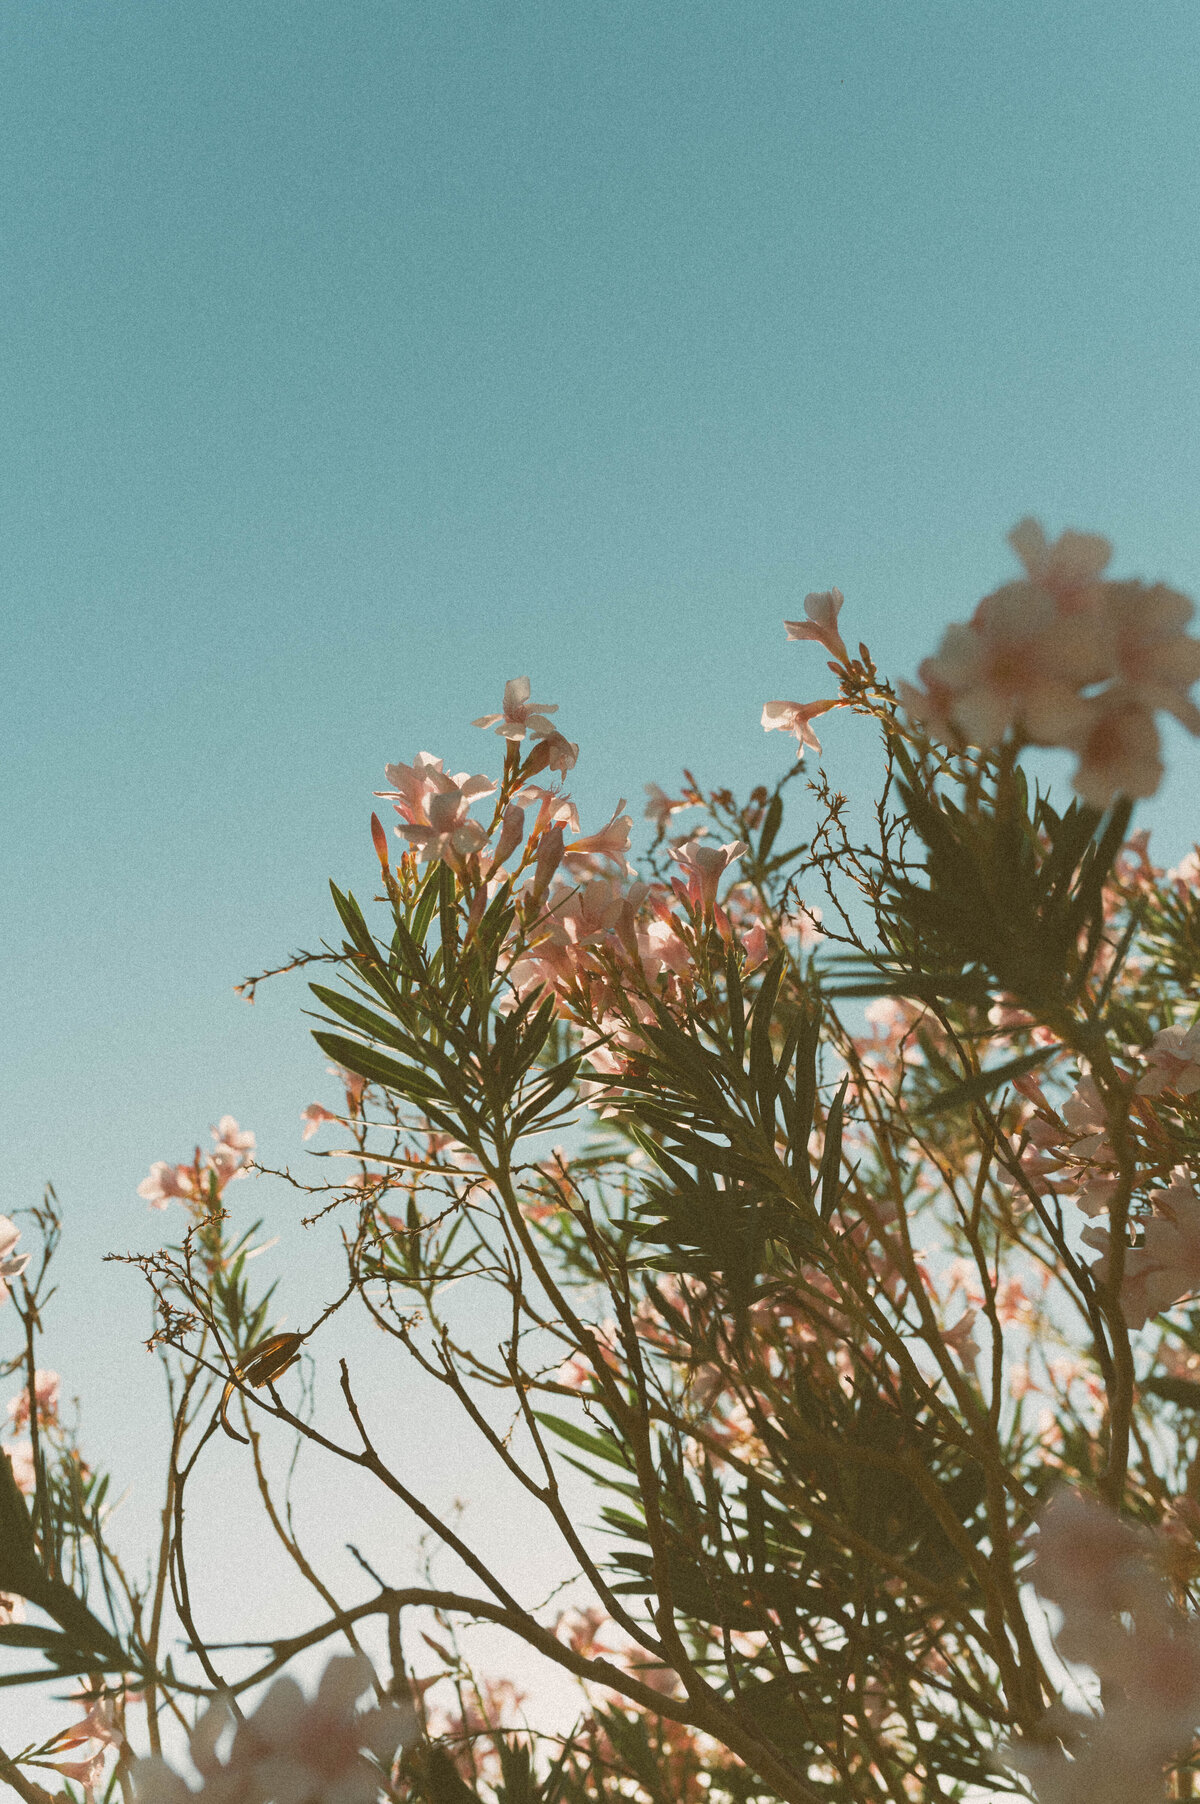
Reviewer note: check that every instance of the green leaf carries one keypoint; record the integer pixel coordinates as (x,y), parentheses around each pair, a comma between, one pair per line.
(560,1078)
(375,1027)
(377,1068)
(762,1065)
(1180,1391)
(771,824)
(976,1088)
(601,1446)
(829,1172)
(24,1634)
(658,1154)
(736,1003)
(442,1783)
(448,918)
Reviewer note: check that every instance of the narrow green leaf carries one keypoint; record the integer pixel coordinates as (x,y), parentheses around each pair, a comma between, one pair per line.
(737,1006)
(771,825)
(829,1174)
(762,1065)
(602,1446)
(1183,1392)
(976,1088)
(377,1068)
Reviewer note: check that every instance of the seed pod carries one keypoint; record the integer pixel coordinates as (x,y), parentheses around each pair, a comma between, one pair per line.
(262,1365)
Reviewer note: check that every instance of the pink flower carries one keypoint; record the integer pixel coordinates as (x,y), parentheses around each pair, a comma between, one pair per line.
(612,842)
(99,1726)
(191,1184)
(520,715)
(804,926)
(309,1751)
(661,806)
(167,1181)
(352,1084)
(590,911)
(583,1631)
(575,1373)
(45,1386)
(1095,1194)
(705,866)
(412,785)
(231,1156)
(1018,664)
(512,828)
(552,753)
(822,610)
(1020,1383)
(1084,1114)
(1156,662)
(756,946)
(1166,1267)
(228,1133)
(549,857)
(1069,570)
(549,967)
(1186,874)
(659,948)
(1119,749)
(447,832)
(1107,1579)
(554,806)
(11,1264)
(1033,651)
(313,1117)
(1174,1061)
(794,717)
(20,1458)
(1012,1305)
(1087,1560)
(87,1772)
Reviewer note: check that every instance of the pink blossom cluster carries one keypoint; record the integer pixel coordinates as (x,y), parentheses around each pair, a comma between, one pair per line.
(1164,1268)
(1069,1148)
(434,809)
(206,1177)
(1062,658)
(604,948)
(1174,1062)
(1107,1578)
(594,937)
(292,1750)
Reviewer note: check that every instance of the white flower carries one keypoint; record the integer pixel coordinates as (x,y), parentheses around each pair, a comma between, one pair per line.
(293,1750)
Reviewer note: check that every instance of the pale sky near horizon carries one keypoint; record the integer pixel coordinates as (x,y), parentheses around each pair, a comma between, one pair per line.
(356,358)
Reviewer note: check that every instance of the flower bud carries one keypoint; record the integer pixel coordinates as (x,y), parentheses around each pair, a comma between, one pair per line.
(549,857)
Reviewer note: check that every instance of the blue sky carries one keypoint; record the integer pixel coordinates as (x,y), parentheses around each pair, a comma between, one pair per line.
(356,358)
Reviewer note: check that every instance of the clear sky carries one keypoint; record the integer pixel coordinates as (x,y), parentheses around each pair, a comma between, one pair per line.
(357,357)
